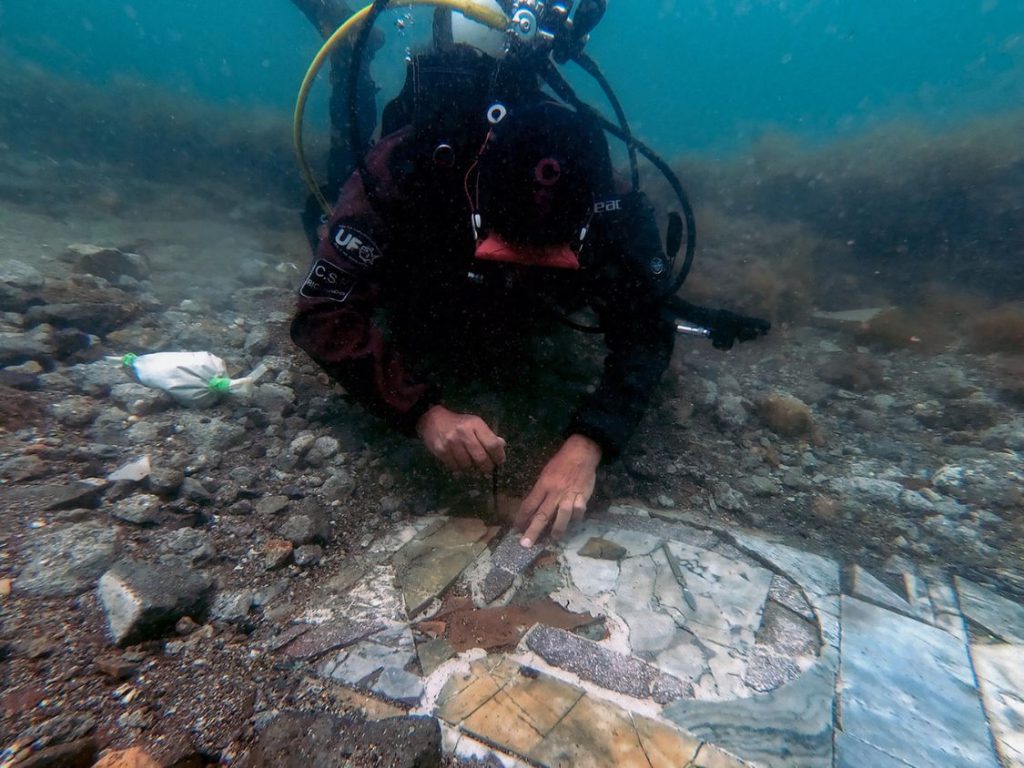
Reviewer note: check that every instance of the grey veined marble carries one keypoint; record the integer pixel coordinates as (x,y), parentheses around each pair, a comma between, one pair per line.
(907,689)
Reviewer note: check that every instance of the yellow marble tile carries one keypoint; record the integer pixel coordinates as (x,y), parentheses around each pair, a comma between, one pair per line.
(711,756)
(523,713)
(664,745)
(465,693)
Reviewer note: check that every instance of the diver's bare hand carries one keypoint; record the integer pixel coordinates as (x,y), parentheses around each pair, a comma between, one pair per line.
(460,441)
(562,491)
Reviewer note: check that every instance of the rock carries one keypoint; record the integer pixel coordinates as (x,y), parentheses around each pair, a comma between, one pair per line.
(757,485)
(141,600)
(307,526)
(143,509)
(139,400)
(857,373)
(98,378)
(67,561)
(21,468)
(271,505)
(870,489)
(80,753)
(729,498)
(116,667)
(19,282)
(189,544)
(109,310)
(108,263)
(193,490)
(210,434)
(232,607)
(311,740)
(308,555)
(337,487)
(785,415)
(324,449)
(602,549)
(731,412)
(277,553)
(133,472)
(301,444)
(273,398)
(975,413)
(36,345)
(128,758)
(945,381)
(165,481)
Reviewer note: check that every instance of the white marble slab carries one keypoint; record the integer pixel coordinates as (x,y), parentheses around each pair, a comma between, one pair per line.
(1000,670)
(1003,618)
(907,689)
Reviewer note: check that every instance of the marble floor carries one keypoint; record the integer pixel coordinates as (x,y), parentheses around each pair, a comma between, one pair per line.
(649,638)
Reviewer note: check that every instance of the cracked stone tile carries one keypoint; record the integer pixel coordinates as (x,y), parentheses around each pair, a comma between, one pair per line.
(711,756)
(399,686)
(943,598)
(433,654)
(508,560)
(426,567)
(817,575)
(687,659)
(767,670)
(548,722)
(917,596)
(790,726)
(786,593)
(728,597)
(908,690)
(606,668)
(635,543)
(851,752)
(591,577)
(866,587)
(1000,617)
(322,638)
(1000,670)
(663,528)
(357,664)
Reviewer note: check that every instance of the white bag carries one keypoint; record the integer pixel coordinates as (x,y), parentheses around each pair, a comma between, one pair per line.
(194,379)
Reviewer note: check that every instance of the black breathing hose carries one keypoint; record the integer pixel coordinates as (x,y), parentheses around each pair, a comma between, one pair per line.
(564,91)
(590,66)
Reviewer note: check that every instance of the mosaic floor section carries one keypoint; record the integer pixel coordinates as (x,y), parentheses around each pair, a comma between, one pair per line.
(648,638)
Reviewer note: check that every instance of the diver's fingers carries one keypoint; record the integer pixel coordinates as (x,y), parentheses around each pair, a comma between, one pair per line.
(579,507)
(565,513)
(541,519)
(529,506)
(460,455)
(494,445)
(479,455)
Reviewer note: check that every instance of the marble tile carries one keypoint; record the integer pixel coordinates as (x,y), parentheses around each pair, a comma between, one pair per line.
(851,752)
(907,689)
(590,576)
(917,595)
(426,567)
(791,726)
(1000,670)
(548,722)
(866,587)
(634,542)
(711,756)
(786,593)
(786,633)
(610,670)
(997,615)
(944,602)
(815,574)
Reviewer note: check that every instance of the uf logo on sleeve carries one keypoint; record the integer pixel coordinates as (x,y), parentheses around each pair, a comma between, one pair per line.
(355,246)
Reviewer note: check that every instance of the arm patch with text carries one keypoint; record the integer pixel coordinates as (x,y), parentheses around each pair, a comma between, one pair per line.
(355,246)
(328,281)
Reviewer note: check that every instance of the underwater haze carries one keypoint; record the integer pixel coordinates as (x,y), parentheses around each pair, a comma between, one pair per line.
(693,75)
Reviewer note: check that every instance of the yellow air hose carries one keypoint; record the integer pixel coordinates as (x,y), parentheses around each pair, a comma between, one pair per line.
(469,8)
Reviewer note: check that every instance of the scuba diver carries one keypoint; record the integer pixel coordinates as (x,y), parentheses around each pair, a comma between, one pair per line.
(488,210)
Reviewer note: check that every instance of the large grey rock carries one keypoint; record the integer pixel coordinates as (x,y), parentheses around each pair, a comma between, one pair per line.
(307,525)
(191,545)
(309,740)
(141,509)
(108,263)
(18,282)
(97,378)
(67,561)
(94,317)
(142,600)
(37,345)
(209,434)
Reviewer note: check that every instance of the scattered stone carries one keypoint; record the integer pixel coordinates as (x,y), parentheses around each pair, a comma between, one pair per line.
(109,309)
(277,553)
(308,555)
(80,753)
(729,498)
(271,505)
(608,669)
(857,372)
(141,600)
(193,490)
(232,607)
(139,400)
(116,667)
(322,450)
(731,412)
(67,561)
(108,263)
(869,489)
(602,549)
(305,527)
(165,481)
(192,545)
(399,686)
(36,345)
(305,740)
(142,509)
(133,472)
(785,415)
